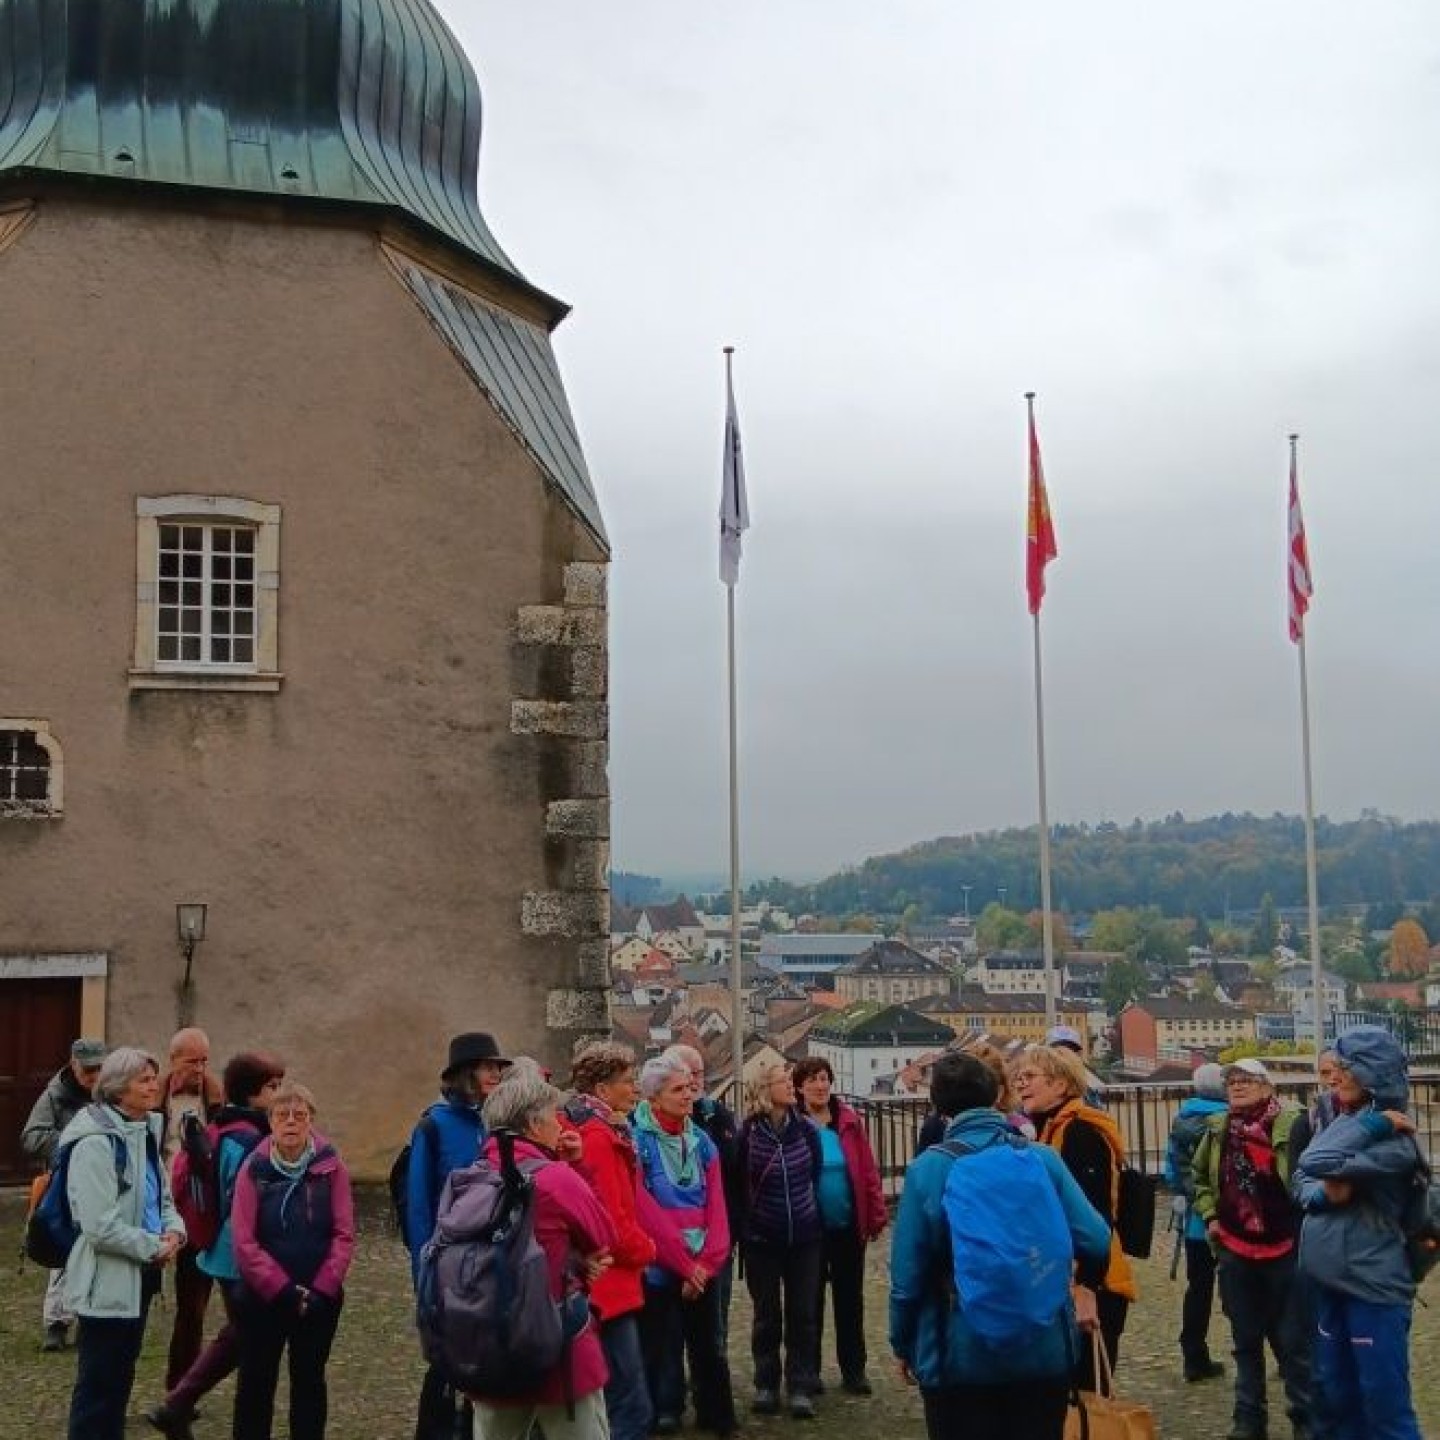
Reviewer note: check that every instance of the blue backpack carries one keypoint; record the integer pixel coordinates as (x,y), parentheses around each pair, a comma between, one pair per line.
(50,1228)
(1010,1243)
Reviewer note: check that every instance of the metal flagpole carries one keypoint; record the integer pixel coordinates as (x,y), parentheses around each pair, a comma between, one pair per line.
(1311,882)
(1312,887)
(1046,926)
(737,1000)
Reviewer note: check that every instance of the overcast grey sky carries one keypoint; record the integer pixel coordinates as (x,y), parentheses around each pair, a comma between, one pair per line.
(1190,229)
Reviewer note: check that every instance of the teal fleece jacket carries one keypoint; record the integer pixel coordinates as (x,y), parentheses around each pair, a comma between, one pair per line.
(928,1330)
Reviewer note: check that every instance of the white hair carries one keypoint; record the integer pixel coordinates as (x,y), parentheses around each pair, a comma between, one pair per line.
(658,1071)
(119,1068)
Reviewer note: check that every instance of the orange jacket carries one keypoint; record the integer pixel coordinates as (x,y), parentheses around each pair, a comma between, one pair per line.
(1119,1277)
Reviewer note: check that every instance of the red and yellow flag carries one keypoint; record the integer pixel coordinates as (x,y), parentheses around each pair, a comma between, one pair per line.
(1040,547)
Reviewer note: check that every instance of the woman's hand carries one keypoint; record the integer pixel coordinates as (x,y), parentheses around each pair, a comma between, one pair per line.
(1338,1192)
(1087,1309)
(1399,1121)
(171,1243)
(694,1286)
(569,1147)
(597,1264)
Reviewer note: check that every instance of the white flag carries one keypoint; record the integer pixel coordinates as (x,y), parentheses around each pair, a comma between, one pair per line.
(734,509)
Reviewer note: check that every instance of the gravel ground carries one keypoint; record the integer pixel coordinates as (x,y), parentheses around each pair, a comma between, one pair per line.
(375,1370)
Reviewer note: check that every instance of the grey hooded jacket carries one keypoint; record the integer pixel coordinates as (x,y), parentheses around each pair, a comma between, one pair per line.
(1359,1248)
(59,1103)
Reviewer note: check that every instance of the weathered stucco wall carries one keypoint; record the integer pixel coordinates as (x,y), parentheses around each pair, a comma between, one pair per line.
(365,838)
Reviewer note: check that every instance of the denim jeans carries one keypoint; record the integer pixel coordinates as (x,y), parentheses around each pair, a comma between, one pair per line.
(627,1397)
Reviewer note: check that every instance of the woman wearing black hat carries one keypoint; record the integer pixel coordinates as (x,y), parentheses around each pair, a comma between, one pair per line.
(448,1137)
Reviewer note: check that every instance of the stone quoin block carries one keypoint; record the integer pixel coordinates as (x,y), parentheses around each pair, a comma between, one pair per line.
(592,865)
(557,625)
(592,964)
(578,820)
(590,772)
(583,914)
(572,719)
(586,584)
(589,672)
(578,1010)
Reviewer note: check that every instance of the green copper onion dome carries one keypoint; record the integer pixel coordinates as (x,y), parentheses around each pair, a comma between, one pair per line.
(368,102)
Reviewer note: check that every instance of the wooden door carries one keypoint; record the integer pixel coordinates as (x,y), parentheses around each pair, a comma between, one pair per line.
(38,1020)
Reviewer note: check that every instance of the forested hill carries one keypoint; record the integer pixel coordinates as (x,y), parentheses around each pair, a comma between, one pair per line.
(1185,867)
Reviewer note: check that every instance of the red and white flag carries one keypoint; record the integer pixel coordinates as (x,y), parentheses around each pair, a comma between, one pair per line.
(1298,582)
(1040,547)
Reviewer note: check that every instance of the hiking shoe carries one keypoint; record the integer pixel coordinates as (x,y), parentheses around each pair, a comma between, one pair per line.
(170,1423)
(666,1425)
(56,1337)
(802,1407)
(766,1402)
(1206,1370)
(857,1385)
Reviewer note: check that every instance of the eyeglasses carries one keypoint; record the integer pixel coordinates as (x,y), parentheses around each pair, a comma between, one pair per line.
(1244,1080)
(286,1113)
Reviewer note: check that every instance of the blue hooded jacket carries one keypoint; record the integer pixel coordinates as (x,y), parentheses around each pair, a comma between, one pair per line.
(928,1330)
(461,1135)
(1194,1111)
(1359,1248)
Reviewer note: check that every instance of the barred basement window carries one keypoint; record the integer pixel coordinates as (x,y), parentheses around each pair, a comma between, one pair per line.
(206,595)
(31,771)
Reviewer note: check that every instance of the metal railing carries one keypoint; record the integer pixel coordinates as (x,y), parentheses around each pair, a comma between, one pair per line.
(1144,1113)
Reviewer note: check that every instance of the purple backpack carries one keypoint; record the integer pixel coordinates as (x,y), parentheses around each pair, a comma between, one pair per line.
(486,1318)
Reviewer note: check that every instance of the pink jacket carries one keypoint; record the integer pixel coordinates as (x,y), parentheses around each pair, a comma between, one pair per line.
(319,1217)
(570,1223)
(871,1215)
(666,1227)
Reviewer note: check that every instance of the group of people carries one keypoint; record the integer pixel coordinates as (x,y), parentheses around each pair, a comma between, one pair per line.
(1299,1217)
(649,1195)
(283,1221)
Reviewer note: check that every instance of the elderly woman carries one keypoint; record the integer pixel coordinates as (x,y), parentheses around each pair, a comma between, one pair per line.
(852,1211)
(128,1231)
(1355,1181)
(293,1228)
(781,1160)
(682,1204)
(603,1076)
(251,1078)
(1242,1173)
(577,1236)
(1051,1085)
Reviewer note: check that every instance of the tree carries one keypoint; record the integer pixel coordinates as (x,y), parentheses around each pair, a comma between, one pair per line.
(1266,934)
(1000,929)
(1125,980)
(1114,930)
(1409,950)
(1200,935)
(1059,931)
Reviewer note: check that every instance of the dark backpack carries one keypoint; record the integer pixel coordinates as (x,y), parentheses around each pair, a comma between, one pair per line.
(1185,1137)
(486,1319)
(195,1177)
(1011,1250)
(1421,1221)
(50,1227)
(399,1180)
(1135,1212)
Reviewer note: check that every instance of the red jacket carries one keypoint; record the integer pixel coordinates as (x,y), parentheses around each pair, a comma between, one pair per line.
(871,1215)
(570,1223)
(609,1164)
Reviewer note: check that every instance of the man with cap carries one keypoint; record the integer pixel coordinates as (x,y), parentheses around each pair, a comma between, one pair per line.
(62,1099)
(448,1137)
(1191,1121)
(1242,1171)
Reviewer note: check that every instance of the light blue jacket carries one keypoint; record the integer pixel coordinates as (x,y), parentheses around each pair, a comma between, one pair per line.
(1194,1106)
(102,1275)
(928,1330)
(1358,1249)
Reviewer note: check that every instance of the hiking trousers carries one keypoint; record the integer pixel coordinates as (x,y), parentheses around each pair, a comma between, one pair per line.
(1198,1304)
(784,1284)
(1362,1368)
(187,1336)
(266,1333)
(1264,1300)
(842,1273)
(1022,1410)
(671,1326)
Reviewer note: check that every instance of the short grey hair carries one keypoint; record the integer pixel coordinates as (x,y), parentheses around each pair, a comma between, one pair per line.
(658,1071)
(519,1100)
(688,1056)
(119,1068)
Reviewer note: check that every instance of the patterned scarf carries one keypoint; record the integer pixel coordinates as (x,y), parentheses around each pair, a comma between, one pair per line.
(1254,1208)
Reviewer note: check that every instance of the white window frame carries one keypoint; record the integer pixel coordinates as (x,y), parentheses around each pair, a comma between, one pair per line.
(148,671)
(54,805)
